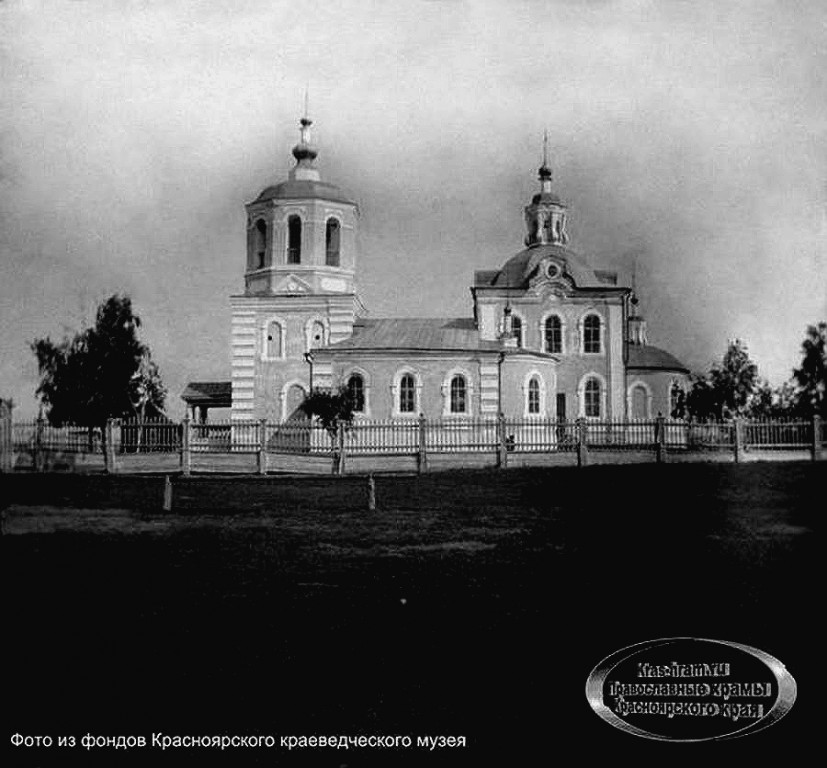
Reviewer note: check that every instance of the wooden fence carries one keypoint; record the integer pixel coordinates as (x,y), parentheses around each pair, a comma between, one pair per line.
(162,445)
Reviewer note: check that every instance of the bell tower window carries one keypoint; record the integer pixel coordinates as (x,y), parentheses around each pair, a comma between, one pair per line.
(260,248)
(332,237)
(294,240)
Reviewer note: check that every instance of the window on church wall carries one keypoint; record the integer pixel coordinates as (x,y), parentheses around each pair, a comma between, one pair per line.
(274,340)
(533,396)
(260,245)
(554,334)
(517,329)
(294,240)
(316,334)
(591,398)
(407,394)
(332,238)
(591,333)
(459,395)
(356,392)
(639,402)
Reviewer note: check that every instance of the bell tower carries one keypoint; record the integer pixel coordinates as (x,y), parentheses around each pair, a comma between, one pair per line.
(299,287)
(546,216)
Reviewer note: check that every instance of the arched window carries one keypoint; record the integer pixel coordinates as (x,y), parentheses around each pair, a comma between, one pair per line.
(517,329)
(591,333)
(356,392)
(294,240)
(332,243)
(274,339)
(459,394)
(591,398)
(316,334)
(407,394)
(533,395)
(260,247)
(640,398)
(554,334)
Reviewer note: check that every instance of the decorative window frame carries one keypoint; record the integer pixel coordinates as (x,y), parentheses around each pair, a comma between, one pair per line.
(581,330)
(283,395)
(581,396)
(541,327)
(357,371)
(395,387)
(308,332)
(534,374)
(630,398)
(338,219)
(265,347)
(446,393)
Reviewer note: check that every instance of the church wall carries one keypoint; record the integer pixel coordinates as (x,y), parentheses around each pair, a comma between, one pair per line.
(262,374)
(432,375)
(573,363)
(517,370)
(657,384)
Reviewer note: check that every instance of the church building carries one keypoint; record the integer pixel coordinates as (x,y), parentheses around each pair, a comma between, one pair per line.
(550,336)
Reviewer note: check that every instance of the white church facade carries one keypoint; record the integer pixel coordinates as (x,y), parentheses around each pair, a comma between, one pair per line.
(550,336)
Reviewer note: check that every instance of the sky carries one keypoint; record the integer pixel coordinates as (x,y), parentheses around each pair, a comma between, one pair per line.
(688,137)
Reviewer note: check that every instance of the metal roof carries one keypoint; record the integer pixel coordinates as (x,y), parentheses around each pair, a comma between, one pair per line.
(644,356)
(300,189)
(419,333)
(519,269)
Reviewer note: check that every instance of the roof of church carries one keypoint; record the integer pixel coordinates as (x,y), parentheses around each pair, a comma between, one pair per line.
(519,269)
(295,189)
(421,333)
(653,358)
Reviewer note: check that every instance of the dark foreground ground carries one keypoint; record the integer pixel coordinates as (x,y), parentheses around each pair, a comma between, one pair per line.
(471,604)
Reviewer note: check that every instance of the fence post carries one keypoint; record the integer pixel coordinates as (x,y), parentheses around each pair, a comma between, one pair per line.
(816,447)
(739,438)
(502,446)
(186,454)
(39,455)
(109,459)
(6,437)
(262,447)
(660,439)
(371,494)
(167,494)
(582,446)
(422,455)
(340,448)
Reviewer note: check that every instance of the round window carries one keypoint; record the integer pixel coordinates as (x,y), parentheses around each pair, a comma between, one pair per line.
(552,270)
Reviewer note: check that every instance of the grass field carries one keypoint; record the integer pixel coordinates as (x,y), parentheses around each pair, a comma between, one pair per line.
(470,603)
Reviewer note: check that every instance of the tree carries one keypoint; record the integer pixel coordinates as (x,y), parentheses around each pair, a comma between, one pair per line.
(728,389)
(773,402)
(330,408)
(333,410)
(147,392)
(102,372)
(811,377)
